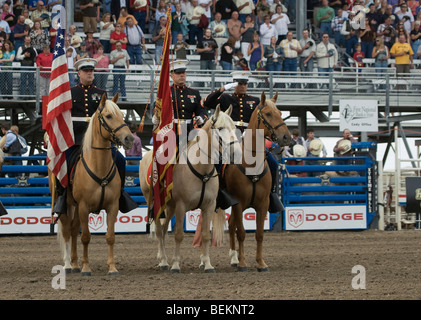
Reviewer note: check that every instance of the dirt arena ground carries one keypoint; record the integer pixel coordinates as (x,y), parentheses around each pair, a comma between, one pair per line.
(303,265)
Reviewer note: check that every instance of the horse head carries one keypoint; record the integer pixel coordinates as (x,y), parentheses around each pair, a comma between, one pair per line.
(274,126)
(111,119)
(223,125)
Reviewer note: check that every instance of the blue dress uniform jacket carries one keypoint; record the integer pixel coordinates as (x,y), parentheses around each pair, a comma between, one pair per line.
(85,101)
(242,106)
(187,103)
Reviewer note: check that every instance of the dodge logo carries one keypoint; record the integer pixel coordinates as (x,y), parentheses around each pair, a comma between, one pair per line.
(295,217)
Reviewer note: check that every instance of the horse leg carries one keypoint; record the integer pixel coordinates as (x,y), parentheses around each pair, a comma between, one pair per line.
(237,211)
(85,238)
(72,211)
(260,220)
(63,235)
(231,230)
(206,236)
(110,238)
(161,231)
(179,236)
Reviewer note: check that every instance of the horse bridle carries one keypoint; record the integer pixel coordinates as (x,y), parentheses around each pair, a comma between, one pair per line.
(271,129)
(104,124)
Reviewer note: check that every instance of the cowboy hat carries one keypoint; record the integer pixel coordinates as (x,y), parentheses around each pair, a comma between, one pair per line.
(76,41)
(346,145)
(198,11)
(299,151)
(316,146)
(140,3)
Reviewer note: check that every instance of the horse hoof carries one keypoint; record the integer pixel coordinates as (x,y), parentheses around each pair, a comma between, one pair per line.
(76,270)
(68,270)
(164,268)
(86,274)
(175,271)
(202,266)
(113,274)
(210,271)
(234,265)
(266,269)
(242,269)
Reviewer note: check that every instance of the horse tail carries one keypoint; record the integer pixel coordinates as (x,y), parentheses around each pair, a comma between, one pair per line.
(218,223)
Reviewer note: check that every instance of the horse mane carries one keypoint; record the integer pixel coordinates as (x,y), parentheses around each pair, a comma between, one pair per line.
(111,107)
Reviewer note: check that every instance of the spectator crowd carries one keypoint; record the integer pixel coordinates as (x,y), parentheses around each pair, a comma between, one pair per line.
(236,34)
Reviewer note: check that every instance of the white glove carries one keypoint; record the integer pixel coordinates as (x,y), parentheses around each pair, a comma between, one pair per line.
(230,85)
(198,120)
(155,120)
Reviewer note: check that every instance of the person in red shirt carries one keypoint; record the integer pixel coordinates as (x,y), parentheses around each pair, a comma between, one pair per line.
(44,62)
(358,56)
(118,35)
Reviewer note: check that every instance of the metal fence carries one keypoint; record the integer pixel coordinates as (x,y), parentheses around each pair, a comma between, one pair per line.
(298,88)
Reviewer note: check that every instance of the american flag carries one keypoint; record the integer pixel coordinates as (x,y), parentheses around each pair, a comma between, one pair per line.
(59,124)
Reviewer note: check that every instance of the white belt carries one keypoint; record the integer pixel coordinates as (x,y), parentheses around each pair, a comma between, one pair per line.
(81,119)
(241,123)
(188,121)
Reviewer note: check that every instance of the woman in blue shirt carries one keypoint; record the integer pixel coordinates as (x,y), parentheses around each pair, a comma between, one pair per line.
(7,77)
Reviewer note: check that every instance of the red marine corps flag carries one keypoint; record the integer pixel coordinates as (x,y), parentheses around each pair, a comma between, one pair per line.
(59,124)
(164,139)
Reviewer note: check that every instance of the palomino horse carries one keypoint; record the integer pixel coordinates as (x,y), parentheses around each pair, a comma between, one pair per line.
(254,191)
(195,185)
(90,193)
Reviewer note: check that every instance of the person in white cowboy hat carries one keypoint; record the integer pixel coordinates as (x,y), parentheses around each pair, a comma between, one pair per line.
(315,148)
(85,101)
(343,146)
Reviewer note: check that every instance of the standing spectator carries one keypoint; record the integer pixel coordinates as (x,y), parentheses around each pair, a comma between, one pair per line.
(135,41)
(403,54)
(416,36)
(262,10)
(116,6)
(81,52)
(71,60)
(381,54)
(19,6)
(40,14)
(91,43)
(273,53)
(234,27)
(308,50)
(121,61)
(374,17)
(140,13)
(255,51)
(227,52)
(180,48)
(185,5)
(342,147)
(118,35)
(219,30)
(44,62)
(312,152)
(327,56)
(20,31)
(387,32)
(8,16)
(358,57)
(208,50)
(12,147)
(4,27)
(27,56)
(158,38)
(291,47)
(161,11)
(406,16)
(106,27)
(337,24)
(225,8)
(28,20)
(124,15)
(90,13)
(39,37)
(136,150)
(195,33)
(101,69)
(247,30)
(275,4)
(267,31)
(412,6)
(281,22)
(6,61)
(296,139)
(350,35)
(32,5)
(178,18)
(245,7)
(206,5)
(367,37)
(324,17)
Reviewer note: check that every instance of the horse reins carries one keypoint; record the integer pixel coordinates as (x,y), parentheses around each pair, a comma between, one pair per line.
(104,124)
(271,129)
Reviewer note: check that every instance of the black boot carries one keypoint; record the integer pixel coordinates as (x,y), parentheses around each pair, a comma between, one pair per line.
(225,200)
(275,205)
(61,203)
(3,210)
(126,203)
